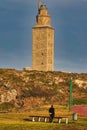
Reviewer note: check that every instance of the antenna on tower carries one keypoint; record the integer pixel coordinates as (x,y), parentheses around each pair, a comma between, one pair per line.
(38,4)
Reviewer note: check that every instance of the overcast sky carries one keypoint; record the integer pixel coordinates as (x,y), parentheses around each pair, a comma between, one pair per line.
(68,17)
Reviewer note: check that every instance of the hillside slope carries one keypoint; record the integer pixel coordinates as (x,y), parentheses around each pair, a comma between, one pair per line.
(23,90)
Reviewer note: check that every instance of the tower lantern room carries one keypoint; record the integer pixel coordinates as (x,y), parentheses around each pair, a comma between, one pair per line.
(43,18)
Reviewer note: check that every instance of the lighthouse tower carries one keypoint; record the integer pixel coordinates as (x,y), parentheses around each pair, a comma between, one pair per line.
(43,41)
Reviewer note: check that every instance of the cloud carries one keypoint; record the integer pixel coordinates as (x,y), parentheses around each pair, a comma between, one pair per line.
(69,18)
(20,1)
(57,3)
(71,65)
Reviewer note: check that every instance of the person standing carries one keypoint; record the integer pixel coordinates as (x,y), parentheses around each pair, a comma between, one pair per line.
(51,113)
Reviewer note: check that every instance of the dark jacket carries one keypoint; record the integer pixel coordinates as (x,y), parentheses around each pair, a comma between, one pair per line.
(52,111)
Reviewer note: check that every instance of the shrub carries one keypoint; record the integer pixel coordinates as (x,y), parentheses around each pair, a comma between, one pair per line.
(80,101)
(6,106)
(1,71)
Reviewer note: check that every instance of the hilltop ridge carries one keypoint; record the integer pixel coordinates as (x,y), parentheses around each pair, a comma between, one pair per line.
(24,90)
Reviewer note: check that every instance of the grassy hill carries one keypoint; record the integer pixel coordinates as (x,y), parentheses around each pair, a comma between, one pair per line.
(24,90)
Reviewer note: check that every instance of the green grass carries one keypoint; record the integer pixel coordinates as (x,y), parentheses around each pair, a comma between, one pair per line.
(21,121)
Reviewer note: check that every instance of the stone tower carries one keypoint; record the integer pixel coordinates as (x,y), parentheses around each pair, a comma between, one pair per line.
(43,41)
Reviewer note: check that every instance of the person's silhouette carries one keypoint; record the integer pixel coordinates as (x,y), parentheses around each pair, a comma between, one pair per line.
(51,113)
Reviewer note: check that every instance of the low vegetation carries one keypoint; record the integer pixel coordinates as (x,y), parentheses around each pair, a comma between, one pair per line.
(24,90)
(22,121)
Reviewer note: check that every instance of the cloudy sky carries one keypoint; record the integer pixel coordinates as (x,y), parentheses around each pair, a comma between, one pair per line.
(68,17)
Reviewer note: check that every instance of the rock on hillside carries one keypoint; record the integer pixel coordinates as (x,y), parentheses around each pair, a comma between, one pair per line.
(23,90)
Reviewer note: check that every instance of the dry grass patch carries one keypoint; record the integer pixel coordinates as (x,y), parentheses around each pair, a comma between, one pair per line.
(18,121)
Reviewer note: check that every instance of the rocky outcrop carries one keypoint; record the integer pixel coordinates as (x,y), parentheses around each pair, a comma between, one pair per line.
(8,96)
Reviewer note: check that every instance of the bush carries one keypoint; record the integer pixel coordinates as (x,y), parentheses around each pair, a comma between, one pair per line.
(6,106)
(80,101)
(1,71)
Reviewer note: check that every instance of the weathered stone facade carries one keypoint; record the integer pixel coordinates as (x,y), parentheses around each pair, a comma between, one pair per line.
(43,42)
